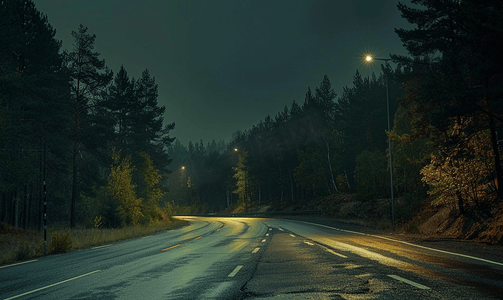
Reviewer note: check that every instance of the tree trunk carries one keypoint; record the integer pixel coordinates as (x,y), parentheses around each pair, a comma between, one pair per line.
(460,203)
(497,159)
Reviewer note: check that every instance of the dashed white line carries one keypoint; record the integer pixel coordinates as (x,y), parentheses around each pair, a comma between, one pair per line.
(236,270)
(263,241)
(267,234)
(270,228)
(51,285)
(309,243)
(256,250)
(281,229)
(292,235)
(335,253)
(419,286)
(19,263)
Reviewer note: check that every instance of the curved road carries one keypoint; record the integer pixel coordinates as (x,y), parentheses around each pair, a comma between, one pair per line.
(249,258)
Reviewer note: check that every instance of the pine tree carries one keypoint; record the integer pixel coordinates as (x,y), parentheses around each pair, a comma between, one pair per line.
(463,80)
(89,76)
(33,99)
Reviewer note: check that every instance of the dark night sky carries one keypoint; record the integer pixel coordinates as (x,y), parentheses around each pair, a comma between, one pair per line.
(222,66)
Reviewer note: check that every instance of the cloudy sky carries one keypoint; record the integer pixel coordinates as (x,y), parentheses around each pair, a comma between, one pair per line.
(223,65)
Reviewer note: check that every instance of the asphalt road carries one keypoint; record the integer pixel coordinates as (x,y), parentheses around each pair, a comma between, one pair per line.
(246,258)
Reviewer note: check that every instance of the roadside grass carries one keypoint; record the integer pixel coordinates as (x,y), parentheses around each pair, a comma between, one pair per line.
(18,244)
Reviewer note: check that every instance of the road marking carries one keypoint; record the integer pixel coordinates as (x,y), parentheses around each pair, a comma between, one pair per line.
(218,229)
(267,234)
(309,243)
(198,237)
(169,248)
(236,270)
(410,244)
(97,247)
(335,253)
(292,235)
(281,229)
(19,263)
(419,286)
(263,241)
(270,228)
(51,285)
(255,250)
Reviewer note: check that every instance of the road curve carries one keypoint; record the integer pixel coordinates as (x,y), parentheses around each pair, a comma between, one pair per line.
(250,258)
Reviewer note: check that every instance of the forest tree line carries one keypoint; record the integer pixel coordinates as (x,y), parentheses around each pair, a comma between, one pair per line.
(98,139)
(446,107)
(90,144)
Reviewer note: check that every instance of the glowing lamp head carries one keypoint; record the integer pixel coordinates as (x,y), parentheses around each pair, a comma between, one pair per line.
(236,149)
(368,58)
(183,167)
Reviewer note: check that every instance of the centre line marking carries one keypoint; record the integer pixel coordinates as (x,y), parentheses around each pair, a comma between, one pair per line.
(198,237)
(97,247)
(236,270)
(270,228)
(20,263)
(263,241)
(255,250)
(309,243)
(51,285)
(218,229)
(419,286)
(335,253)
(292,235)
(267,234)
(169,248)
(281,229)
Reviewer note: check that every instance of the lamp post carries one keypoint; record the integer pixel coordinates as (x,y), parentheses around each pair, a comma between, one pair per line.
(369,59)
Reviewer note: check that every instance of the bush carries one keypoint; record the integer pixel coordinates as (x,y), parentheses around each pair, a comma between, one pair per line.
(24,251)
(413,227)
(60,242)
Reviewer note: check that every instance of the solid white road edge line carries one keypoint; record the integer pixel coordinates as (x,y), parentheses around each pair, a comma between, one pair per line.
(101,246)
(410,244)
(419,286)
(51,285)
(236,270)
(19,263)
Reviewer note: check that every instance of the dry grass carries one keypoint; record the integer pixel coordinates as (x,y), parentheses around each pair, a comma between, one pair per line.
(18,244)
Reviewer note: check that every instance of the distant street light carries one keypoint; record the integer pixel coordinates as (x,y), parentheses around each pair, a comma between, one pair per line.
(183,167)
(369,59)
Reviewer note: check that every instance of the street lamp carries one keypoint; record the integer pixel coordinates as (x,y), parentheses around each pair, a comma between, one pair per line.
(369,59)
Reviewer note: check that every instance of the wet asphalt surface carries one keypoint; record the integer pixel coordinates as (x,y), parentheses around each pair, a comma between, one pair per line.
(247,258)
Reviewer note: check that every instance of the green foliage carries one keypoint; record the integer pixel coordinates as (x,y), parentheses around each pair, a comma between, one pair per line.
(371,174)
(148,189)
(309,173)
(60,242)
(121,191)
(242,176)
(408,204)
